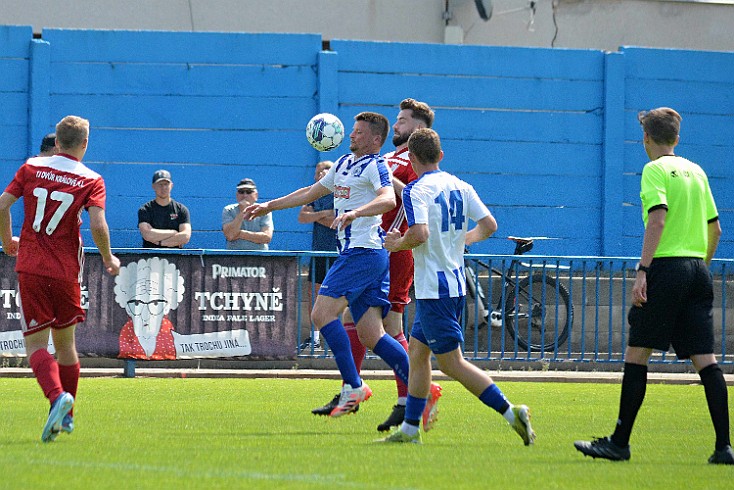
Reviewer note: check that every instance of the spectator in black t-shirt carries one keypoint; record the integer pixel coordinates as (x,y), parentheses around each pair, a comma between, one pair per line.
(163,222)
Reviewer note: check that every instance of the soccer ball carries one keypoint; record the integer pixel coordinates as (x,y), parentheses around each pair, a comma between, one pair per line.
(325,132)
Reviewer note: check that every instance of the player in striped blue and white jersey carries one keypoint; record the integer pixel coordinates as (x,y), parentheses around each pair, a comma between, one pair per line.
(438,207)
(359,278)
(354,180)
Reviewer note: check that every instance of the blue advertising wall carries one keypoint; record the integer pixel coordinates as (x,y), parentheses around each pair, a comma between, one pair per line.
(549,137)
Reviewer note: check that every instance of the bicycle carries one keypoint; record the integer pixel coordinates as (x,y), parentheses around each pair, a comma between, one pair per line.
(535,309)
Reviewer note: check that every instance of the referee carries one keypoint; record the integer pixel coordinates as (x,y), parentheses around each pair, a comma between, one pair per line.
(673,292)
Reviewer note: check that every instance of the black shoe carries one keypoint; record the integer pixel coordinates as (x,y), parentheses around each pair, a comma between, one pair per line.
(326,409)
(724,456)
(603,447)
(394,420)
(306,344)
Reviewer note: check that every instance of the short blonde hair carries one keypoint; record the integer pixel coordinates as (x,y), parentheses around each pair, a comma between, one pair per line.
(71,132)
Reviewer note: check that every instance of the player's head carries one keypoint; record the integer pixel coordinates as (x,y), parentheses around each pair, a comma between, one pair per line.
(72,133)
(413,115)
(369,133)
(661,125)
(322,168)
(48,145)
(424,147)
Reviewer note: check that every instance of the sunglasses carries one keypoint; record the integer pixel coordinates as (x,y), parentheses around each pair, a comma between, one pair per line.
(245,191)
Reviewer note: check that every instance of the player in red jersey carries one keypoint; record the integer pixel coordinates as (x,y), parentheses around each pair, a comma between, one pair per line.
(50,258)
(413,115)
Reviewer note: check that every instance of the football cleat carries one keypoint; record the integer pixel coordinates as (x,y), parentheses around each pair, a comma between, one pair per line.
(350,398)
(394,420)
(59,409)
(67,425)
(399,436)
(326,409)
(522,424)
(430,413)
(723,456)
(603,447)
(308,344)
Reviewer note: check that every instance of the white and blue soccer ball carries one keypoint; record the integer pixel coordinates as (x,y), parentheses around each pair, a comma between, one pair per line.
(325,132)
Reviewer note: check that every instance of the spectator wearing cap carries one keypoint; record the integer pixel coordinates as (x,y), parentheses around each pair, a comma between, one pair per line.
(48,146)
(164,222)
(240,233)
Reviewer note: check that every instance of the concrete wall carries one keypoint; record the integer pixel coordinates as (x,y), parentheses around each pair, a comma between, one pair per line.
(596,24)
(549,137)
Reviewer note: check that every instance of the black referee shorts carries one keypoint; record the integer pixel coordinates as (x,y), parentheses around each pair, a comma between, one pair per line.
(679,308)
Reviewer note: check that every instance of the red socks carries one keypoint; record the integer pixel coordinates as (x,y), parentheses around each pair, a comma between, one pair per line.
(402,387)
(46,370)
(70,379)
(358,350)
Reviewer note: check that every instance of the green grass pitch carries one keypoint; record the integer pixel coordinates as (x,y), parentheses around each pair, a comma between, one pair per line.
(259,433)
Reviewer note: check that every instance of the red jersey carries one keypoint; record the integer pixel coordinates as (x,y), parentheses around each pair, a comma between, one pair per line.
(54,190)
(403,171)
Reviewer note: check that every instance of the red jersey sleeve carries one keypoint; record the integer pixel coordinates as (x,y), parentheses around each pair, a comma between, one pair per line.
(16,185)
(97,196)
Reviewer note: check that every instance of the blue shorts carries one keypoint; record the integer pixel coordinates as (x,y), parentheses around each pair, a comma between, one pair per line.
(437,323)
(362,276)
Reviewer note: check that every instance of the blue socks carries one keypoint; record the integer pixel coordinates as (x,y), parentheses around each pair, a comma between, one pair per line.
(387,348)
(494,398)
(393,354)
(414,410)
(338,340)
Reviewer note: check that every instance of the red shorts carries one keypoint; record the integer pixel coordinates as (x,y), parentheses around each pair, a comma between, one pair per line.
(401,278)
(48,302)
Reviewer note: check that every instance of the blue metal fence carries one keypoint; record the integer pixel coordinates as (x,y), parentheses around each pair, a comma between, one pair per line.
(549,309)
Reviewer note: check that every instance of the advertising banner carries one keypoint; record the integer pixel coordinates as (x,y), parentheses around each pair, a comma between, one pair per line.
(175,307)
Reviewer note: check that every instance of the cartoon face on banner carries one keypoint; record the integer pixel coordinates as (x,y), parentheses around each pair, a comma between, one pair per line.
(148,289)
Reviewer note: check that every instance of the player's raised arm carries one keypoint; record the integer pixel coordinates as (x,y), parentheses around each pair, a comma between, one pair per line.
(382,203)
(302,196)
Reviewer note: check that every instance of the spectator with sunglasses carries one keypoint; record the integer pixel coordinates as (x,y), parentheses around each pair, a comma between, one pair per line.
(240,233)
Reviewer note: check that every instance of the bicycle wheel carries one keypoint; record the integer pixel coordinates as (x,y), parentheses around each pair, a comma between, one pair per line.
(534,324)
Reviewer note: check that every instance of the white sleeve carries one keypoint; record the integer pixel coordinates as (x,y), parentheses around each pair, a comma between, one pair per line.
(476,209)
(328,179)
(379,174)
(416,203)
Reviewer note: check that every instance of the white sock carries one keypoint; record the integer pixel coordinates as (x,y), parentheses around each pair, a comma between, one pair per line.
(402,400)
(315,336)
(509,415)
(408,429)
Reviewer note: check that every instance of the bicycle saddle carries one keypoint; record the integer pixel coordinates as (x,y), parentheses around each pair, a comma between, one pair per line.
(523,245)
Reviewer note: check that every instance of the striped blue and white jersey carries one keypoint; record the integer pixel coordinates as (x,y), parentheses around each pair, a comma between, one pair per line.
(446,204)
(355,182)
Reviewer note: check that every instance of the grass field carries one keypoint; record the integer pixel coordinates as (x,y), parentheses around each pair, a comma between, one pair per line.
(259,433)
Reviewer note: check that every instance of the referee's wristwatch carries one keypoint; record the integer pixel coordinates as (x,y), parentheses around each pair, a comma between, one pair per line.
(642,268)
